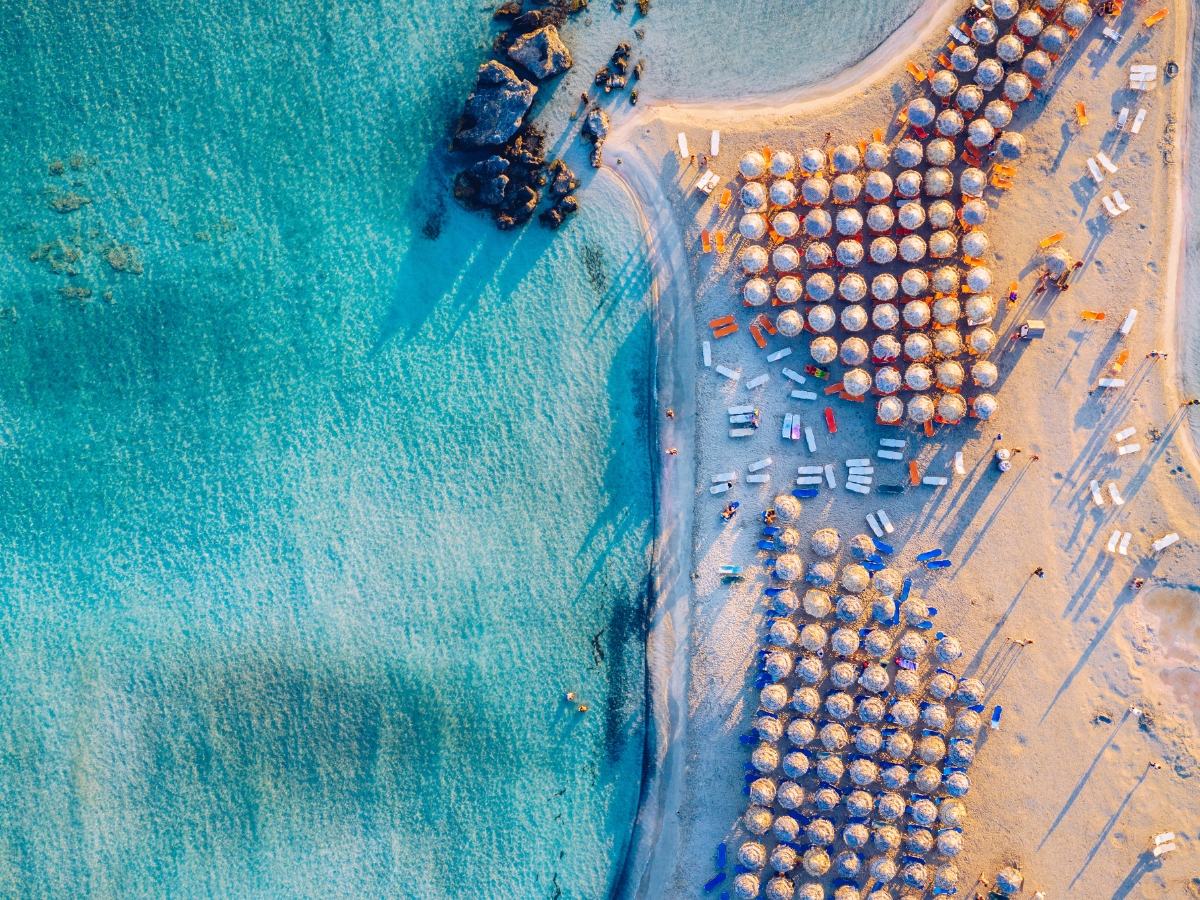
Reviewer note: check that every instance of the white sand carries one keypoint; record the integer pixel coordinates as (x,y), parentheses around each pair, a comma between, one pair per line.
(1059,790)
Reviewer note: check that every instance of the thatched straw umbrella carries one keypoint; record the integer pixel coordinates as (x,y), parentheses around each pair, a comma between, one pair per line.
(980,133)
(908,184)
(938,182)
(967,723)
(1076,14)
(840,706)
(951,408)
(1030,24)
(912,248)
(821,287)
(914,283)
(998,114)
(887,582)
(945,280)
(810,891)
(874,678)
(985,406)
(823,350)
(752,855)
(855,578)
(816,861)
(920,410)
(887,380)
(974,214)
(779,664)
(783,164)
(790,795)
(754,196)
(946,310)
(969,98)
(1017,87)
(779,888)
(984,373)
(989,74)
(786,828)
(944,83)
(856,835)
(918,377)
(842,674)
(885,316)
(949,123)
(935,716)
(790,323)
(783,633)
(970,691)
(754,259)
(877,156)
(883,250)
(752,226)
(795,764)
(854,351)
(957,784)
(879,187)
(962,752)
(912,645)
(844,641)
(846,189)
(909,153)
(806,700)
(820,832)
(789,289)
(789,566)
(818,254)
(849,253)
(950,375)
(765,758)
(981,309)
(984,30)
(889,410)
(815,190)
(756,292)
(849,222)
(915,612)
(861,546)
(846,158)
(762,792)
(868,741)
(787,508)
(939,152)
(834,736)
(890,807)
(912,216)
(877,644)
(924,812)
(752,164)
(785,602)
(880,219)
(906,683)
(975,244)
(785,258)
(917,347)
(931,749)
(773,697)
(886,838)
(942,685)
(813,637)
(746,885)
(783,193)
(943,244)
(945,879)
(927,779)
(884,287)
(963,58)
(1057,261)
(783,859)
(818,223)
(817,603)
(982,341)
(812,161)
(1010,48)
(952,813)
(950,843)
(881,869)
(826,542)
(904,713)
(899,746)
(802,732)
(921,112)
(941,214)
(786,224)
(915,875)
(1036,65)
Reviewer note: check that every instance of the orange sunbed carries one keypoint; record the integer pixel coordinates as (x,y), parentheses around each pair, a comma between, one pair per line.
(913,475)
(1081,113)
(720,322)
(704,241)
(915,71)
(719,237)
(756,333)
(1093,316)
(846,396)
(1005,170)
(928,429)
(767,324)
(1155,18)
(1053,239)
(726,196)
(834,388)
(878,135)
(1122,357)
(944,60)
(726,331)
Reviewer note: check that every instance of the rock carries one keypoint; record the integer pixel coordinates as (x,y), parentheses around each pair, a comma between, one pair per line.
(563,180)
(527,23)
(523,203)
(595,127)
(483,183)
(492,193)
(558,213)
(542,52)
(495,109)
(509,10)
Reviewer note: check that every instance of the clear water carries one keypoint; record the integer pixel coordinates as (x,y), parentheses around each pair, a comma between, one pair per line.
(316,494)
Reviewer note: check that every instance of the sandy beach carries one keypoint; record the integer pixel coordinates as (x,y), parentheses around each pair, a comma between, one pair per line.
(1065,788)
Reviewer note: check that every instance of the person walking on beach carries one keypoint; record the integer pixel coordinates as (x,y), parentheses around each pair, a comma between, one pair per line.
(671,451)
(1156,354)
(1039,572)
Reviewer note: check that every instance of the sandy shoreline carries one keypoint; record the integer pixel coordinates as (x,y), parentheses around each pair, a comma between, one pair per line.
(705,686)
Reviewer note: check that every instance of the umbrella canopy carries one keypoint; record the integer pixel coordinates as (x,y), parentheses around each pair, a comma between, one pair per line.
(912,216)
(789,566)
(950,843)
(918,377)
(785,258)
(868,741)
(916,312)
(756,292)
(941,214)
(1037,64)
(975,244)
(946,879)
(909,153)
(911,646)
(885,316)
(790,795)
(849,609)
(890,807)
(980,309)
(812,161)
(810,891)
(915,874)
(951,408)
(970,691)
(938,182)
(952,813)
(1076,14)
(874,678)
(939,152)
(783,164)
(984,373)
(821,832)
(921,111)
(816,861)
(945,280)
(912,248)
(855,578)
(980,133)
(950,375)
(863,772)
(884,287)
(765,758)
(982,340)
(752,164)
(899,745)
(949,122)
(917,347)
(974,214)
(967,723)
(854,351)
(790,323)
(846,188)
(908,184)
(927,779)
(920,410)
(757,820)
(779,664)
(887,380)
(856,834)
(846,158)
(984,30)
(802,732)
(883,250)
(962,752)
(783,193)
(752,226)
(830,769)
(783,633)
(989,74)
(817,254)
(818,223)
(780,888)
(787,508)
(752,855)
(958,784)
(786,828)
(783,859)
(785,601)
(881,869)
(844,641)
(1057,261)
(834,737)
(773,697)
(842,674)
(985,406)
(849,253)
(944,83)
(906,682)
(813,637)
(856,383)
(821,287)
(754,259)
(762,792)
(979,278)
(887,582)
(998,114)
(853,288)
(849,222)
(972,182)
(935,717)
(795,764)
(880,218)
(817,603)
(915,612)
(815,190)
(754,196)
(889,410)
(1010,48)
(969,98)
(924,812)
(1005,9)
(877,155)
(1030,24)
(789,289)
(883,609)
(963,58)
(1009,881)
(823,349)
(943,244)
(877,644)
(879,186)
(1017,87)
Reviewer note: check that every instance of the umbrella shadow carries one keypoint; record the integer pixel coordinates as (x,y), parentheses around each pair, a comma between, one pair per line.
(995,512)
(974,665)
(1108,827)
(1002,664)
(1082,783)
(1145,862)
(1068,135)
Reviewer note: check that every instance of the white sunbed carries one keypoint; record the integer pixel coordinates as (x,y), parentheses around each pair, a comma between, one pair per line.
(874,523)
(810,470)
(1112,541)
(1165,838)
(729,373)
(758,382)
(885,521)
(829,477)
(859,479)
(1115,494)
(793,376)
(1097,497)
(758,479)
(1120,201)
(715,144)
(892,442)
(1123,117)
(1166,541)
(761,464)
(852,463)
(857,488)
(1124,435)
(810,440)
(1127,325)
(741,432)
(1106,162)
(1097,176)
(958,463)
(1163,848)
(787,426)
(1137,122)
(1111,382)
(862,470)
(1108,205)
(741,420)
(889,454)
(683,147)
(719,488)
(1123,547)
(1128,448)
(809,479)
(935,481)
(779,354)
(739,410)
(803,395)
(1114,36)
(724,476)
(707,355)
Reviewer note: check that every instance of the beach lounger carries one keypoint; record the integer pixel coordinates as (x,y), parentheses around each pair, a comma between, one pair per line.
(1128,448)
(830,421)
(889,454)
(779,354)
(1123,547)
(810,470)
(1114,36)
(892,442)
(1137,122)
(726,331)
(958,463)
(1125,434)
(714,145)
(1127,325)
(1106,162)
(857,488)
(804,493)
(858,479)
(758,382)
(796,424)
(829,476)
(996,713)
(914,475)
(766,545)
(1112,541)
(707,355)
(929,554)
(786,434)
(1111,382)
(683,147)
(810,440)
(873,522)
(1166,541)
(890,489)
(1115,494)
(793,376)
(729,373)
(862,470)
(1120,201)
(936,564)
(725,476)
(1096,495)
(767,324)
(885,521)
(1161,849)
(1097,176)
(935,480)
(756,333)
(758,479)
(741,432)
(1165,838)
(1143,78)
(761,464)
(1123,117)
(720,488)
(741,420)
(882,547)
(857,462)
(1108,205)
(804,395)
(809,479)
(741,410)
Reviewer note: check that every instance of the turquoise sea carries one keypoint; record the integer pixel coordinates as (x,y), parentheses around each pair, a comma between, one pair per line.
(316,492)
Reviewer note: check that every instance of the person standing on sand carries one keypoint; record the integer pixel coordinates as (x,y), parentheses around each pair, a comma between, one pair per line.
(671,451)
(1039,572)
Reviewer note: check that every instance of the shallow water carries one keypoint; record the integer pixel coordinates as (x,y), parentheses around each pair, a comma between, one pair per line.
(318,492)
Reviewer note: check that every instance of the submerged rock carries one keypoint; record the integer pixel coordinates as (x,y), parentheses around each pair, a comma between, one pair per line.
(595,128)
(508,10)
(542,52)
(558,213)
(562,179)
(496,109)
